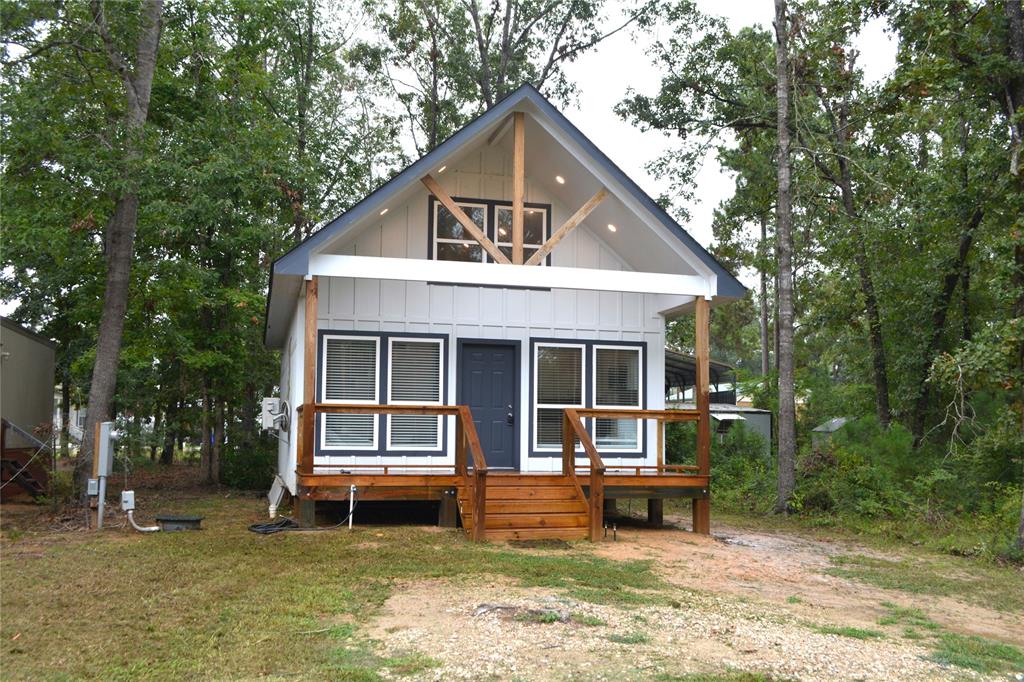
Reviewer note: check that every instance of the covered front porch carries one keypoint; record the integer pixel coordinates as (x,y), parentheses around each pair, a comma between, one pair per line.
(495,503)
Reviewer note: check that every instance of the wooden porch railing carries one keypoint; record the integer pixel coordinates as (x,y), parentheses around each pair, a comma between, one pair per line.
(466,440)
(573,430)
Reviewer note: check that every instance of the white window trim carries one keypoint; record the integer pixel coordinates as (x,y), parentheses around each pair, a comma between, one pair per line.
(640,393)
(440,390)
(526,245)
(445,240)
(376,394)
(560,406)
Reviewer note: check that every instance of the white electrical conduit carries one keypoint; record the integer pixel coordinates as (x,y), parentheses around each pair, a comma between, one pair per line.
(141,529)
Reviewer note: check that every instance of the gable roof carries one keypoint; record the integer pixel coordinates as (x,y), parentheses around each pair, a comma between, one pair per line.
(296,261)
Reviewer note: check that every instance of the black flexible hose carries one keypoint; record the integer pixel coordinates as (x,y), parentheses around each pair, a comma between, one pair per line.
(286,523)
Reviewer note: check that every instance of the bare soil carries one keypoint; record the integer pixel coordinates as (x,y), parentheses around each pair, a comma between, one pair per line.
(746,601)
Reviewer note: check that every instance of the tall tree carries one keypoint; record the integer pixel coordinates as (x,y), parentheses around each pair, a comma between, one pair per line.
(784,235)
(135,70)
(448,60)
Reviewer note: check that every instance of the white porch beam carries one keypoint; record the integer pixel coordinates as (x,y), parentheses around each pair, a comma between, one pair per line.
(497,274)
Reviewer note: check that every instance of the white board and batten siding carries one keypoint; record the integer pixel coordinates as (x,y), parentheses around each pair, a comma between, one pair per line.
(467,312)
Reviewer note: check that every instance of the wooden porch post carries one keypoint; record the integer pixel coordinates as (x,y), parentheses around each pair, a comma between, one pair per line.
(702,507)
(306,442)
(518,184)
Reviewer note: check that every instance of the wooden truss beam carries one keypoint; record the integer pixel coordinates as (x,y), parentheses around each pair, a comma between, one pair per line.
(568,226)
(518,184)
(464,219)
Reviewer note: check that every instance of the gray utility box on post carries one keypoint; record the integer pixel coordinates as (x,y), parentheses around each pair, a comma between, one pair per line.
(105,450)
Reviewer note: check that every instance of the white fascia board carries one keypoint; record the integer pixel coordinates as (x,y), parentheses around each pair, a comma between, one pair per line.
(630,203)
(500,275)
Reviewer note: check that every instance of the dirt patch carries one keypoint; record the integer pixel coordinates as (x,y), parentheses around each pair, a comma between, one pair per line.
(789,571)
(458,626)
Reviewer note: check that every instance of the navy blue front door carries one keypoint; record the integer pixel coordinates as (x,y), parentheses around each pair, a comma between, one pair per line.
(488,385)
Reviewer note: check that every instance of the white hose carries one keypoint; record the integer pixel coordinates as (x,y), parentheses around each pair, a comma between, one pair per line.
(141,529)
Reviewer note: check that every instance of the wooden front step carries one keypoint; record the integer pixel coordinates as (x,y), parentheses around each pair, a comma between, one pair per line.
(529,506)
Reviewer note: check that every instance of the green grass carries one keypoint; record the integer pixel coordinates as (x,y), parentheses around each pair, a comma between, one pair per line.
(977,654)
(588,620)
(793,599)
(843,631)
(995,587)
(541,617)
(629,638)
(899,615)
(949,648)
(226,603)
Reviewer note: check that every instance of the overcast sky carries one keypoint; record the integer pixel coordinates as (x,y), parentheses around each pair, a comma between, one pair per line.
(621,62)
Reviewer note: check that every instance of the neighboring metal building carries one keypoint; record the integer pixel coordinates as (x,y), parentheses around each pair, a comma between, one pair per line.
(681,377)
(26,379)
(725,416)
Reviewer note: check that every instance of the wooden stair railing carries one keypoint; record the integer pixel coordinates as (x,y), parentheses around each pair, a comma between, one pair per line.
(573,430)
(466,439)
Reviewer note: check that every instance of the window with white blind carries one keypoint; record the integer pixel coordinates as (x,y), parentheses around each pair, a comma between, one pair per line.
(617,383)
(350,375)
(415,377)
(558,384)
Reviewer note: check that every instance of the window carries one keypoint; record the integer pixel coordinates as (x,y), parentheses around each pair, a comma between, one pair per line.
(617,384)
(451,240)
(350,376)
(587,374)
(534,230)
(414,377)
(558,383)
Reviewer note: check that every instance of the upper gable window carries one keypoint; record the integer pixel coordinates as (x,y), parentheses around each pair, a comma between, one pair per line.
(449,240)
(534,229)
(452,241)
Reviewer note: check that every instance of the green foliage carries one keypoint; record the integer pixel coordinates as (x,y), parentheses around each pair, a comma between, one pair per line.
(249,468)
(976,653)
(845,631)
(743,474)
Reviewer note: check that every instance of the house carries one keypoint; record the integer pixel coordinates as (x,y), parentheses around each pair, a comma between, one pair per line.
(487,329)
(26,407)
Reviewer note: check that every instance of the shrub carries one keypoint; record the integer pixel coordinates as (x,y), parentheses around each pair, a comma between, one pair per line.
(249,468)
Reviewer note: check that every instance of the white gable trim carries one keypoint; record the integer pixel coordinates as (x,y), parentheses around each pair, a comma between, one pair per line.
(518,276)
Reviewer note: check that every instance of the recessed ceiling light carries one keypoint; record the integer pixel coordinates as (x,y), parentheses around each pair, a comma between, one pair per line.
(441,169)
(502,232)
(612,227)
(384,211)
(560,180)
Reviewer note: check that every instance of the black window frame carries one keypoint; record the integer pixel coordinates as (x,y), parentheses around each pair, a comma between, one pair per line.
(383,366)
(491,205)
(588,397)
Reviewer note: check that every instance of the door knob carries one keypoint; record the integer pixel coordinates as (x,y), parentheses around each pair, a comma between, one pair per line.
(511,417)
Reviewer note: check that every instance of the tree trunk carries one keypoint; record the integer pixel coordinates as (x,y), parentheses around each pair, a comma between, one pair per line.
(65,411)
(763,298)
(784,237)
(170,429)
(940,310)
(1018,280)
(157,419)
(1015,86)
(120,230)
(205,460)
(218,441)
